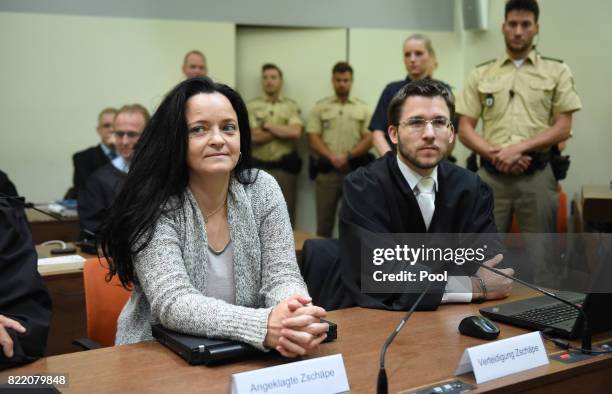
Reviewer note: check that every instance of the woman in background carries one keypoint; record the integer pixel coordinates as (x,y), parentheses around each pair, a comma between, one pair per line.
(420,62)
(205,240)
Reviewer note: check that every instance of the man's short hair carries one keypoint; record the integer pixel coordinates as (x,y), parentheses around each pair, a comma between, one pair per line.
(271,66)
(523,5)
(131,108)
(107,110)
(423,88)
(342,67)
(193,52)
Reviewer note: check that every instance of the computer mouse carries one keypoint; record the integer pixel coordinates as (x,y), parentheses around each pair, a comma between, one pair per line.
(479,327)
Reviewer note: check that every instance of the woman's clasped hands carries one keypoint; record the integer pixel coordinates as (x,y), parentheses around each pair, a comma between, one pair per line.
(295,327)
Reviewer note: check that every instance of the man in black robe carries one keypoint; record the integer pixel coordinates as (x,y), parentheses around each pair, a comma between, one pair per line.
(386,197)
(25,306)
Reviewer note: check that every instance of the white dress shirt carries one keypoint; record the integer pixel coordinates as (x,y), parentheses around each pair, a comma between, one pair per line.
(458,288)
(121,164)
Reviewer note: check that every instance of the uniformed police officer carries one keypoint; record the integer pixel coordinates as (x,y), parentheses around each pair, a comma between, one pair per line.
(338,135)
(526,103)
(420,62)
(276,125)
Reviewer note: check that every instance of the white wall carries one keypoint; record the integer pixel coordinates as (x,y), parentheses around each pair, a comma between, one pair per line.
(58,72)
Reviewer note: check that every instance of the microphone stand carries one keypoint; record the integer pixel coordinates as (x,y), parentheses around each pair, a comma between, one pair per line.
(21,200)
(382,384)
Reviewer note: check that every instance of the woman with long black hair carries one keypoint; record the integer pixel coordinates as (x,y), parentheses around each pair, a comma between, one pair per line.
(204,240)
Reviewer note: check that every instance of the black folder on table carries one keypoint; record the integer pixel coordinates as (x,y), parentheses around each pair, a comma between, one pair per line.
(199,350)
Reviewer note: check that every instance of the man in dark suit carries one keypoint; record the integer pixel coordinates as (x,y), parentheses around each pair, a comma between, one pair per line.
(25,306)
(414,190)
(89,160)
(103,185)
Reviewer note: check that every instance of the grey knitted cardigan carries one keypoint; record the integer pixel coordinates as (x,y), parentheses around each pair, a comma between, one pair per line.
(171,270)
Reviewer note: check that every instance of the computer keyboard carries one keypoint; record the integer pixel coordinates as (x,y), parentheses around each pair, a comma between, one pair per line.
(549,315)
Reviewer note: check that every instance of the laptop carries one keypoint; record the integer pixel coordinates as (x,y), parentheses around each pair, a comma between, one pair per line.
(545,313)
(205,351)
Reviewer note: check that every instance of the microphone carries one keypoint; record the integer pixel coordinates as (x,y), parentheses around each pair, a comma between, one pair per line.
(382,384)
(25,204)
(586,333)
(511,93)
(21,200)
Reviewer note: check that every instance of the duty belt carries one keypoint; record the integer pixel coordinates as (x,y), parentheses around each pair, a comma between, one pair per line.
(539,160)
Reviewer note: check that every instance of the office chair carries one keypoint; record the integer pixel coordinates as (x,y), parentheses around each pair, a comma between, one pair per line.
(103,303)
(561,216)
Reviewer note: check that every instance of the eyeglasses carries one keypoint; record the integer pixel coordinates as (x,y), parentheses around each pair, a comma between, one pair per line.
(129,134)
(418,125)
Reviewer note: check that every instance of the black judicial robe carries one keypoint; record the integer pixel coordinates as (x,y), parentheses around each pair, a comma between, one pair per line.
(23,294)
(97,196)
(377,199)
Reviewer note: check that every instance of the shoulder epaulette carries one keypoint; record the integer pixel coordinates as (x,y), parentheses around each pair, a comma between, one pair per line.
(551,58)
(322,100)
(485,63)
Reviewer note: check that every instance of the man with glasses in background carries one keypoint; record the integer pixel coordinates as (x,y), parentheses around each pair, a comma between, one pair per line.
(413,190)
(103,185)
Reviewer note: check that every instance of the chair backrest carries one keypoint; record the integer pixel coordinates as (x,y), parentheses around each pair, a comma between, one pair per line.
(103,301)
(561,216)
(318,259)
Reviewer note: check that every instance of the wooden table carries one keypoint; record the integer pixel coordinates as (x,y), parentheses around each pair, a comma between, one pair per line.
(425,352)
(45,228)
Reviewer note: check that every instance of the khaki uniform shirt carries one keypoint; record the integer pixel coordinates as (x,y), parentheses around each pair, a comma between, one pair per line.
(283,111)
(517,103)
(341,125)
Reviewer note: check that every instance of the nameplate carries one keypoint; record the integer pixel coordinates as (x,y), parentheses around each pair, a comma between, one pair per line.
(323,375)
(503,357)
